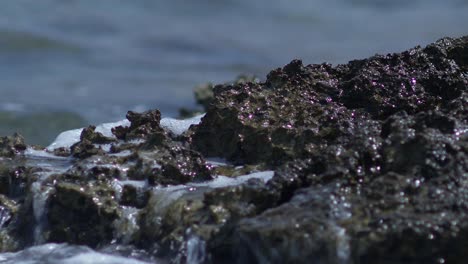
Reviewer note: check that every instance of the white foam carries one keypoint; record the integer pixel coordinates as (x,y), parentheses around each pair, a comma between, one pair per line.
(123,153)
(128,224)
(33,153)
(177,126)
(63,254)
(40,196)
(173,192)
(216,162)
(196,250)
(136,184)
(223,181)
(106,128)
(67,138)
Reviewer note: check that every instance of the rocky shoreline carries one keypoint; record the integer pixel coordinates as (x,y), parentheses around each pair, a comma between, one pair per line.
(365,162)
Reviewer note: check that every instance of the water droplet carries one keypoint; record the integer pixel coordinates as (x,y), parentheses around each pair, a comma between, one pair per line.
(417,183)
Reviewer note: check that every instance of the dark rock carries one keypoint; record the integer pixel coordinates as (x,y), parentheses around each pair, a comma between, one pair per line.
(94,137)
(81,214)
(8,210)
(132,196)
(85,149)
(303,229)
(317,104)
(11,145)
(62,152)
(15,181)
(143,124)
(173,217)
(370,166)
(170,165)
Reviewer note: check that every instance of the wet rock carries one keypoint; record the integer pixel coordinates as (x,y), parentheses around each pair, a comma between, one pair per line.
(85,149)
(62,152)
(94,137)
(11,145)
(8,208)
(386,136)
(15,181)
(142,124)
(204,96)
(81,214)
(88,144)
(172,164)
(173,217)
(8,211)
(303,229)
(370,165)
(301,105)
(132,196)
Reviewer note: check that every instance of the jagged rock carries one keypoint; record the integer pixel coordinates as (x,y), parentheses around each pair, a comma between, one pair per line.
(81,214)
(8,211)
(173,165)
(15,181)
(299,106)
(171,217)
(85,149)
(142,125)
(370,165)
(11,145)
(94,137)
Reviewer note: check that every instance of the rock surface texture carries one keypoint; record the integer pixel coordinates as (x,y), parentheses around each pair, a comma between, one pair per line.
(370,164)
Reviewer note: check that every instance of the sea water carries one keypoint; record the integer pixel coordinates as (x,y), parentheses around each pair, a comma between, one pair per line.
(66,64)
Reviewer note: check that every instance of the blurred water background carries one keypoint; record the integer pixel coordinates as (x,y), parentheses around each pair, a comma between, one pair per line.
(69,63)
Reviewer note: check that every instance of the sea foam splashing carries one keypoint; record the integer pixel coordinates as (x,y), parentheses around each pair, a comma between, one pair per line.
(50,164)
(196,247)
(40,197)
(63,254)
(128,223)
(67,138)
(343,248)
(196,250)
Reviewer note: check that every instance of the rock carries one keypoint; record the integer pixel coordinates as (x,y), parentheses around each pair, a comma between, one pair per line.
(172,217)
(85,149)
(299,106)
(382,141)
(305,228)
(12,145)
(141,125)
(94,137)
(15,181)
(369,158)
(8,211)
(81,214)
